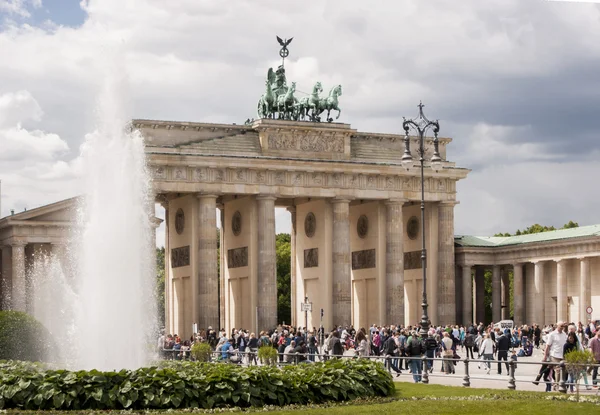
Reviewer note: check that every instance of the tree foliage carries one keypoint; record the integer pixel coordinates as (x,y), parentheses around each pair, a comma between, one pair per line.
(283,249)
(537,228)
(22,337)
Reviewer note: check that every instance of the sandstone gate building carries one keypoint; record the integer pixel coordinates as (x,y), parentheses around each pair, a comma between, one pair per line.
(355,214)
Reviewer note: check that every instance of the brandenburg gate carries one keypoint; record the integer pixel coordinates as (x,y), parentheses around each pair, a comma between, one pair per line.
(355,223)
(355,213)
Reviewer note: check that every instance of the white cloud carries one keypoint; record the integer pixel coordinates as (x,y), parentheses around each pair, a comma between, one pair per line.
(19,7)
(477,65)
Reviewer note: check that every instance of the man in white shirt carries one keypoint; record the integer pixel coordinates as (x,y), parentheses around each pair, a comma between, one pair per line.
(554,347)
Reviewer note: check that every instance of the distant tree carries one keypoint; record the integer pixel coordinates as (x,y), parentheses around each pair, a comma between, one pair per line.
(537,228)
(283,249)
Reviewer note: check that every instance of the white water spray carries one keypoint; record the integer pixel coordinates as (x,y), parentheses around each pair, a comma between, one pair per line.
(115,262)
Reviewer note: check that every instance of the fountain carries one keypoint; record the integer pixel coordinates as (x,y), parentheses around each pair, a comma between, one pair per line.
(108,310)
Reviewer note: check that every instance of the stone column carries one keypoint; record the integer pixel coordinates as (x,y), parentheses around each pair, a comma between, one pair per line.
(496,294)
(585,288)
(467,294)
(518,294)
(293,259)
(394,264)
(446,300)
(19,282)
(6,281)
(538,282)
(341,301)
(222,253)
(168,284)
(561,290)
(505,283)
(206,277)
(267,277)
(479,294)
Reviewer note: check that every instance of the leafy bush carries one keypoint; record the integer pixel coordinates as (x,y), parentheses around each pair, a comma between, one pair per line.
(191,384)
(22,337)
(576,363)
(268,355)
(201,352)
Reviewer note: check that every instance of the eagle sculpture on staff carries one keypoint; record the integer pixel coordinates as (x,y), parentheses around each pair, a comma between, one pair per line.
(284,52)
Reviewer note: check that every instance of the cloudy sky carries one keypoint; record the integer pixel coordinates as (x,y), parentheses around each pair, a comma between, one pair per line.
(515,83)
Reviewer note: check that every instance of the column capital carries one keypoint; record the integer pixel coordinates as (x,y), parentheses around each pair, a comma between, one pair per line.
(448,203)
(339,200)
(266,197)
(394,202)
(206,196)
(18,244)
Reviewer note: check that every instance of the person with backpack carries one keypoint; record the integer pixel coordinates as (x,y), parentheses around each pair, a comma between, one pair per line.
(431,346)
(389,350)
(469,343)
(336,344)
(415,348)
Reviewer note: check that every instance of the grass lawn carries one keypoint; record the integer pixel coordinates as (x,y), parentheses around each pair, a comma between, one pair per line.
(419,398)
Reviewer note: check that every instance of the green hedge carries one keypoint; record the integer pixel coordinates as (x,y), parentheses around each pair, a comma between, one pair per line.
(191,384)
(22,337)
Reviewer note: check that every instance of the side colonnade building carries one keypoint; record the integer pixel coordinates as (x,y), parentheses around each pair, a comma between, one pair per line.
(556,276)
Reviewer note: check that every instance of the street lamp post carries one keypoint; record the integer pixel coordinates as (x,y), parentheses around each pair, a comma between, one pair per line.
(421,124)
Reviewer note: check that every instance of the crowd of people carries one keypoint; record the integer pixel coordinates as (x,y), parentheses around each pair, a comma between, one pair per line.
(404,347)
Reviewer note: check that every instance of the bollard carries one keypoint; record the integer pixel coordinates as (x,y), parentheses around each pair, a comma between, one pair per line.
(425,371)
(511,376)
(466,378)
(562,386)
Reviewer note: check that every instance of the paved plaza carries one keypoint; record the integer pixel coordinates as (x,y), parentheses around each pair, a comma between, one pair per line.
(524,375)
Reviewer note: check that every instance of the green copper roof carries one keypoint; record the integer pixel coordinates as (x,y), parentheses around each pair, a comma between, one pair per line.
(496,241)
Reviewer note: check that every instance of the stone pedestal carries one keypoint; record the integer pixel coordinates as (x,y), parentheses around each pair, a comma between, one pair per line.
(341,296)
(538,283)
(446,300)
(467,295)
(394,264)
(267,277)
(585,289)
(19,282)
(496,294)
(206,277)
(561,291)
(518,294)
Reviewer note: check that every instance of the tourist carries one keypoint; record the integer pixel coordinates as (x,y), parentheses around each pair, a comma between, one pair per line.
(570,346)
(390,350)
(594,346)
(487,351)
(448,353)
(253,346)
(363,345)
(431,345)
(289,351)
(415,349)
(502,346)
(554,347)
(469,342)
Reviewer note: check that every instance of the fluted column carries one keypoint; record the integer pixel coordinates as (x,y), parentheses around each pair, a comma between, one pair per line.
(221,269)
(496,294)
(446,300)
(538,282)
(19,283)
(585,289)
(292,210)
(394,264)
(518,294)
(467,294)
(341,295)
(267,277)
(168,283)
(206,277)
(561,290)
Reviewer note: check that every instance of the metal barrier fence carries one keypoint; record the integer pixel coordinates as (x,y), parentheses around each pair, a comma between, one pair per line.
(246,358)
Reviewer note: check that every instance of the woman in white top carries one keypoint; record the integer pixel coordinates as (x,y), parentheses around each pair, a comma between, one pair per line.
(487,350)
(362,349)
